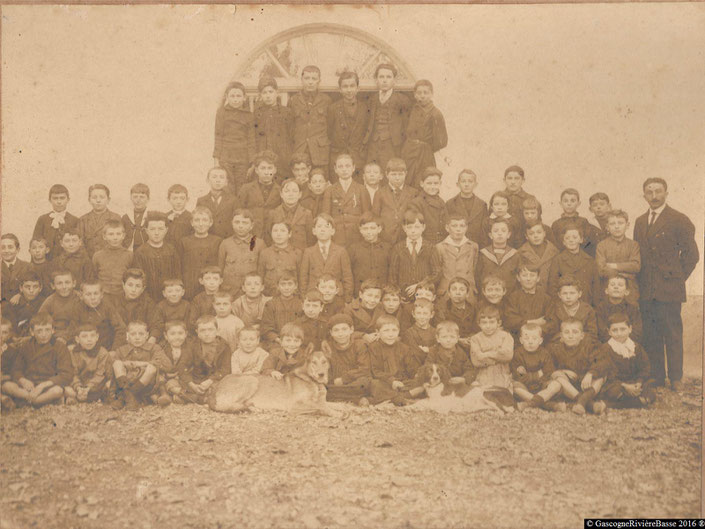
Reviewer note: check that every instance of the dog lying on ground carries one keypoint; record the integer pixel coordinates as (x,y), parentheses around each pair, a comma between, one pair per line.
(301,391)
(445,396)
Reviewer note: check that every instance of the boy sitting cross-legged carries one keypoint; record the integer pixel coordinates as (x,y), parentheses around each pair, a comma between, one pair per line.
(91,364)
(134,369)
(573,359)
(625,365)
(349,362)
(42,367)
(532,367)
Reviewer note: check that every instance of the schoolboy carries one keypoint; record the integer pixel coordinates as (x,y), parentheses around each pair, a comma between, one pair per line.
(499,210)
(414,261)
(211,359)
(176,362)
(458,256)
(618,255)
(469,206)
(421,336)
(538,251)
(262,194)
(91,367)
(625,366)
(349,363)
(135,305)
(532,366)
(432,205)
(527,304)
(616,300)
(371,179)
(220,202)
(310,322)
(279,258)
(530,213)
(135,221)
(392,201)
(40,265)
(388,117)
(42,367)
(312,198)
(425,133)
(179,217)
(391,302)
(494,292)
(287,356)
(51,226)
(238,254)
(173,307)
(425,291)
(158,259)
(570,201)
(600,206)
(345,201)
(8,353)
(63,304)
(310,108)
(365,310)
(575,262)
(249,307)
(572,307)
(514,188)
(249,357)
(134,369)
(101,313)
(491,350)
(13,268)
(28,304)
(347,122)
(369,258)
(447,352)
(498,259)
(75,257)
(273,123)
(90,225)
(285,307)
(198,250)
(227,323)
(574,362)
(111,262)
(333,303)
(388,361)
(300,167)
(325,257)
(211,279)
(455,307)
(293,214)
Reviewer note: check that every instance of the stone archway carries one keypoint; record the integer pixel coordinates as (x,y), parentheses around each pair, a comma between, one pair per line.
(334,48)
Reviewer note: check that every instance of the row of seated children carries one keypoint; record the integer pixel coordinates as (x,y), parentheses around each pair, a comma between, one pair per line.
(40,368)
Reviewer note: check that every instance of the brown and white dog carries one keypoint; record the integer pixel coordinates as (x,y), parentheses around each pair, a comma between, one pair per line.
(301,391)
(445,397)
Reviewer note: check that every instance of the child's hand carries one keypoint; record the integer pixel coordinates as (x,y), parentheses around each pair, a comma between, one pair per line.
(540,373)
(15,299)
(338,382)
(424,348)
(397,384)
(611,266)
(195,388)
(410,290)
(276,375)
(370,337)
(457,380)
(632,389)
(587,382)
(26,385)
(521,370)
(465,341)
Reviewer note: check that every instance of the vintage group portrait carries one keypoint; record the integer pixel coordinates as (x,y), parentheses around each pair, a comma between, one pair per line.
(333,266)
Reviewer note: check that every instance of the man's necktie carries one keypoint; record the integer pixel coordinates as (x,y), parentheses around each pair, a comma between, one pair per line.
(653,218)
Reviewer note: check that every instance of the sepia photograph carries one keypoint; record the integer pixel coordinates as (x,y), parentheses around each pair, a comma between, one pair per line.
(352,266)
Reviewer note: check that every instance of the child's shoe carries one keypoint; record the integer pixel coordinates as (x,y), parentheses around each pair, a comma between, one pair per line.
(178,399)
(70,401)
(598,407)
(163,400)
(521,406)
(7,404)
(363,402)
(578,409)
(131,401)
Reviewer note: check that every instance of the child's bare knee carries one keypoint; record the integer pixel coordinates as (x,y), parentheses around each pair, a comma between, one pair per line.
(69,392)
(149,373)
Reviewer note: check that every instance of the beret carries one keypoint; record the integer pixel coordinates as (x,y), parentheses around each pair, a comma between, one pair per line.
(339,318)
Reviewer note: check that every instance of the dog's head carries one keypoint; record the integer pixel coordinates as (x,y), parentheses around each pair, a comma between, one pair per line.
(434,374)
(317,365)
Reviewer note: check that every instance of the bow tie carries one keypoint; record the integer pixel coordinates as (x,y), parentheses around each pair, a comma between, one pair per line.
(57,219)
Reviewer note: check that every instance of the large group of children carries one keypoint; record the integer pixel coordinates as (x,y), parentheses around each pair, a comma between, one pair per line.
(324,223)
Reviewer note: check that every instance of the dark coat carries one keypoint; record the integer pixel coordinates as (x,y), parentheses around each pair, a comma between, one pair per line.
(474,210)
(347,133)
(390,208)
(222,213)
(311,127)
(400,107)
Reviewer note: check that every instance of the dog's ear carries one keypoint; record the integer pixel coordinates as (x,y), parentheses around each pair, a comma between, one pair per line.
(325,348)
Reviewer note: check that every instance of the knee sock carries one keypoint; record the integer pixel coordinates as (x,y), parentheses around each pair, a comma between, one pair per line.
(585,397)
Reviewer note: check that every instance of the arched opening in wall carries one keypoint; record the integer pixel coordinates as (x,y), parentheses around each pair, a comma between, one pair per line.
(333,48)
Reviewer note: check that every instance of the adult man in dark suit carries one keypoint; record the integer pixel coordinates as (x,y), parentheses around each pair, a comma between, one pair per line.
(389,114)
(669,254)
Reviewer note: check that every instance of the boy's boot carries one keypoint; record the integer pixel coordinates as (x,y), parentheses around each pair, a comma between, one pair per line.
(7,404)
(583,399)
(163,399)
(132,402)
